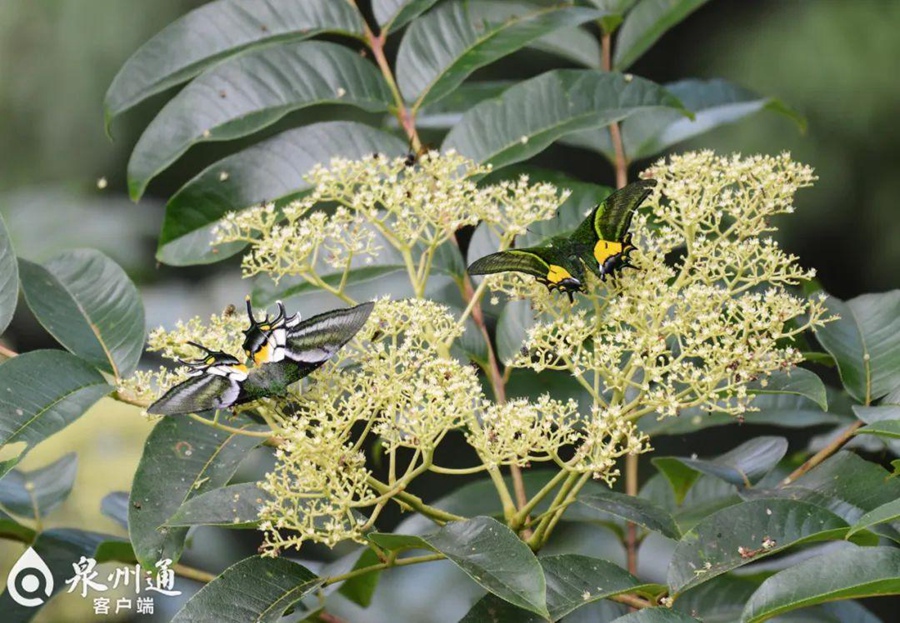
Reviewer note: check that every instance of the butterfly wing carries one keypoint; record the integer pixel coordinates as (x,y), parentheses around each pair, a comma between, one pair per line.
(519,260)
(612,218)
(317,339)
(202,392)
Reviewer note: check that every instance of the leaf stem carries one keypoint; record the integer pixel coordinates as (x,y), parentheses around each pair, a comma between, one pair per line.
(7,352)
(415,503)
(394,562)
(230,429)
(193,574)
(824,453)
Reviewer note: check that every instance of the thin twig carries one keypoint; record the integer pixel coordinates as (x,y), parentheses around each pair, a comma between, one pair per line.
(824,453)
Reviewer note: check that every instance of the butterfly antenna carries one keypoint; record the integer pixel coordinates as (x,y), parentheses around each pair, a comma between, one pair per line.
(281,313)
(250,309)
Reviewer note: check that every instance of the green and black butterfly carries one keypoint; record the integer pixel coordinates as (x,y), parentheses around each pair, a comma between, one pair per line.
(601,243)
(283,349)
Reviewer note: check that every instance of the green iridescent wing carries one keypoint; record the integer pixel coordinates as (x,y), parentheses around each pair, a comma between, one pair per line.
(527,261)
(611,219)
(202,392)
(317,339)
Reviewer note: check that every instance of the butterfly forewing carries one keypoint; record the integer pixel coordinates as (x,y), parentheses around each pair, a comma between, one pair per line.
(612,218)
(521,260)
(317,339)
(200,393)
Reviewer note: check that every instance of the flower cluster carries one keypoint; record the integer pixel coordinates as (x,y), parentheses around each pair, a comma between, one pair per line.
(695,330)
(382,202)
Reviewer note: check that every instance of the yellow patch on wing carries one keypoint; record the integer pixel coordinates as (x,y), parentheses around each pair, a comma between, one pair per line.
(240,368)
(604,249)
(557,274)
(262,355)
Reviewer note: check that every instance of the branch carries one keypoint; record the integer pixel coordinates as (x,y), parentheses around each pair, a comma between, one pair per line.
(824,453)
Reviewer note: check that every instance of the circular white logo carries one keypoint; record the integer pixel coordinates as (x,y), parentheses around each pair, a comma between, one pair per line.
(29,578)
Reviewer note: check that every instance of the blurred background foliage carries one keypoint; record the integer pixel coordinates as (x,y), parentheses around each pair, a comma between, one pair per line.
(832,60)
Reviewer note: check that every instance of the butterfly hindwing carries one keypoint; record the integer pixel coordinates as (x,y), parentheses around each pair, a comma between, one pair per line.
(520,260)
(612,218)
(315,340)
(202,392)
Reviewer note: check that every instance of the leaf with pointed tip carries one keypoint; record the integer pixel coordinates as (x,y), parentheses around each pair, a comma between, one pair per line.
(783,410)
(574,43)
(645,24)
(865,343)
(272,170)
(233,506)
(573,581)
(252,91)
(745,465)
(115,506)
(798,381)
(845,484)
(9,278)
(43,392)
(254,590)
(531,115)
(40,491)
(713,102)
(215,31)
(440,50)
(631,508)
(739,534)
(616,10)
(395,14)
(489,553)
(182,458)
(13,530)
(884,428)
(889,512)
(87,302)
(850,573)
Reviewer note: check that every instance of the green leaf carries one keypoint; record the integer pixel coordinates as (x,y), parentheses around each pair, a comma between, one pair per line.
(573,43)
(783,410)
(440,50)
(115,506)
(845,484)
(395,14)
(446,113)
(573,581)
(43,392)
(256,589)
(865,343)
(34,494)
(59,549)
(88,303)
(713,102)
(745,465)
(13,530)
(492,555)
(645,24)
(9,278)
(656,615)
(489,553)
(679,476)
(215,31)
(515,320)
(720,600)
(272,170)
(234,506)
(885,513)
(798,381)
(616,10)
(633,509)
(252,91)
(361,588)
(746,532)
(182,458)
(849,573)
(885,428)
(531,115)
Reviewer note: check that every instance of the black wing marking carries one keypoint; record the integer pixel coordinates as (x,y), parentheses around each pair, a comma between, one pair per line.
(317,339)
(612,218)
(201,392)
(519,260)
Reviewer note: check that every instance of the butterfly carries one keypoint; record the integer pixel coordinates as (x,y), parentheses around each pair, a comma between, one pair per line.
(601,243)
(283,350)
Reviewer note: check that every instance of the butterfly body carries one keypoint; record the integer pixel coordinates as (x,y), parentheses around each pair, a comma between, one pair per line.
(281,351)
(601,245)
